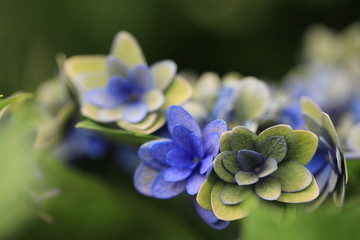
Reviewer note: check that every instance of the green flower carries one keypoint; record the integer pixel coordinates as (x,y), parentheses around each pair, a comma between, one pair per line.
(270,166)
(121,88)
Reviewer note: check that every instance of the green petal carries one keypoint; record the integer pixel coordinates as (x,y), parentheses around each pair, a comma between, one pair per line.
(178,92)
(313,125)
(274,147)
(230,162)
(282,130)
(204,195)
(252,99)
(305,147)
(268,168)
(225,142)
(143,125)
(223,211)
(242,138)
(154,99)
(77,65)
(110,115)
(163,73)
(329,128)
(234,194)
(221,171)
(292,176)
(245,178)
(89,81)
(158,123)
(308,194)
(90,111)
(311,108)
(268,188)
(339,193)
(126,48)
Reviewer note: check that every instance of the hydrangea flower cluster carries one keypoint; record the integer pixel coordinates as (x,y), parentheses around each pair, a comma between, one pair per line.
(235,142)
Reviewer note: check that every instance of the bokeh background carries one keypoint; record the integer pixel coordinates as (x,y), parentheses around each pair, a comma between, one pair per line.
(262,38)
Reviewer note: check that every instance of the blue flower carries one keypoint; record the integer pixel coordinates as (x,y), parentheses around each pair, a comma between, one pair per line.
(328,164)
(122,88)
(171,166)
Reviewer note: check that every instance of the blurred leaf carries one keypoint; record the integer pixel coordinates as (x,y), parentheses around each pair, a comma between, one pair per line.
(326,222)
(117,134)
(16,97)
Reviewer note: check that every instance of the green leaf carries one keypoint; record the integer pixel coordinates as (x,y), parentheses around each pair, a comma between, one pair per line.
(311,108)
(305,147)
(177,93)
(234,194)
(274,147)
(308,194)
(230,162)
(127,49)
(223,211)
(204,195)
(219,169)
(242,138)
(268,188)
(14,98)
(225,141)
(252,99)
(329,128)
(282,130)
(292,176)
(117,134)
(245,178)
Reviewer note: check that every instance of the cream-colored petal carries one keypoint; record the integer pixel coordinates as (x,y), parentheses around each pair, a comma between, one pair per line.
(163,73)
(127,49)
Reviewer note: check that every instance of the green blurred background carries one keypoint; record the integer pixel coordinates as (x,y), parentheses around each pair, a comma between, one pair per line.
(261,38)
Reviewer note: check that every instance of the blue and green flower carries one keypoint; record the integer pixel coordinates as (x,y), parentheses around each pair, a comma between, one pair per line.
(122,88)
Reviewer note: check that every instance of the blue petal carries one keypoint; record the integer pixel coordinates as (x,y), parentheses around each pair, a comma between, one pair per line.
(102,99)
(176,174)
(210,218)
(218,126)
(135,112)
(160,149)
(212,144)
(323,176)
(143,179)
(164,189)
(119,88)
(182,137)
(317,162)
(196,146)
(194,183)
(148,157)
(179,158)
(141,78)
(178,115)
(206,164)
(116,67)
